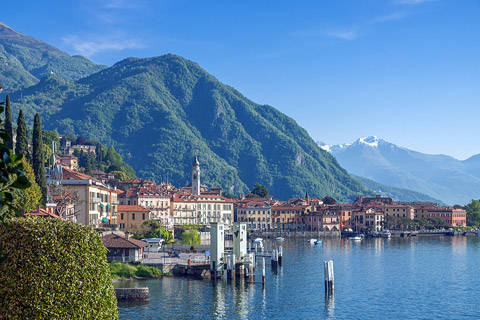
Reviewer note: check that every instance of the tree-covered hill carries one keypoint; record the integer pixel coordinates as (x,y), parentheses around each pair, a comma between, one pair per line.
(24,60)
(159,112)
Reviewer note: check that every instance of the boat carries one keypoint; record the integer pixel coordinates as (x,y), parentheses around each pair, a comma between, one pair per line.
(318,242)
(385,234)
(355,237)
(279,239)
(311,241)
(258,240)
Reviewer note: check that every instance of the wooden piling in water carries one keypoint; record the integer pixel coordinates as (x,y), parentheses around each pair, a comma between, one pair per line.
(263,271)
(329,277)
(280,255)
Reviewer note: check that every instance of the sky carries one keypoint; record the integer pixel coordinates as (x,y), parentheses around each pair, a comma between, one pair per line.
(407,71)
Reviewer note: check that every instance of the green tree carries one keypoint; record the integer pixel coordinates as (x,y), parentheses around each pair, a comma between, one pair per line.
(21,146)
(38,157)
(8,124)
(191,237)
(26,200)
(473,213)
(260,190)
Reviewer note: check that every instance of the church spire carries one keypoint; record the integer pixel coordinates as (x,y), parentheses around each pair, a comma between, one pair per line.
(195,176)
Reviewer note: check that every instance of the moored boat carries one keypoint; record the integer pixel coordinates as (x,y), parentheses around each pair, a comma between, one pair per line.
(318,242)
(385,234)
(355,237)
(312,241)
(279,239)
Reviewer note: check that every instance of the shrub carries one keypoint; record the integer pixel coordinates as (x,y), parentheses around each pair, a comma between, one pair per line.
(54,270)
(122,270)
(148,272)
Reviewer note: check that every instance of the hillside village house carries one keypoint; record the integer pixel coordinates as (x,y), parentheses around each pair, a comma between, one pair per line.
(450,216)
(130,218)
(97,203)
(368,219)
(322,220)
(69,162)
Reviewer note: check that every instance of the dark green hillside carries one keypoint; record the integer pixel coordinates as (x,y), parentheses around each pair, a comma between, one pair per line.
(158,112)
(24,60)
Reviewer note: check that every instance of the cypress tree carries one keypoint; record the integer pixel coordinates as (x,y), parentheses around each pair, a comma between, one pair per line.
(37,157)
(8,124)
(21,147)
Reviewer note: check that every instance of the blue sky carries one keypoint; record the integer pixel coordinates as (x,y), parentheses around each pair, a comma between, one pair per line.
(404,70)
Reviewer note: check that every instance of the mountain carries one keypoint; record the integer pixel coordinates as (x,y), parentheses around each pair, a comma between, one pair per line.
(159,112)
(439,176)
(24,60)
(397,194)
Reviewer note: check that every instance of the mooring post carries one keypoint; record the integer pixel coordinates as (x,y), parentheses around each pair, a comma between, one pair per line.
(329,277)
(263,271)
(280,255)
(234,267)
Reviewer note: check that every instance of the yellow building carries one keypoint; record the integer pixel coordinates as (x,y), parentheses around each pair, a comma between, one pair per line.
(131,217)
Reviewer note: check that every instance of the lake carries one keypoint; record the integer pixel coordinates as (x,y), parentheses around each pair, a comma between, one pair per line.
(417,278)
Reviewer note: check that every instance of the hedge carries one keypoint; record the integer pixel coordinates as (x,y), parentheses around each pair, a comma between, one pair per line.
(54,270)
(126,271)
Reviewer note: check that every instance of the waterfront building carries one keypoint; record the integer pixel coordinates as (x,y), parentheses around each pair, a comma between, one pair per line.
(202,209)
(123,249)
(451,217)
(368,219)
(321,220)
(286,215)
(130,218)
(256,213)
(400,211)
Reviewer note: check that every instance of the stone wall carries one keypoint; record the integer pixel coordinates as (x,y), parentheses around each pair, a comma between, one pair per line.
(132,294)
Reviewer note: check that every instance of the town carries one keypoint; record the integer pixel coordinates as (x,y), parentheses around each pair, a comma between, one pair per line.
(101,201)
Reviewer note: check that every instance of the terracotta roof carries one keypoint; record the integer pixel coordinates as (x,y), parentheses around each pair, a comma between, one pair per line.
(116,241)
(42,213)
(131,208)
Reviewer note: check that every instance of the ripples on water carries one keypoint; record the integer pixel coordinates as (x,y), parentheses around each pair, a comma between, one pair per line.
(423,278)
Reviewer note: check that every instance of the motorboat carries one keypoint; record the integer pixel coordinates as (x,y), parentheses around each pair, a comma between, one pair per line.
(279,239)
(356,237)
(385,234)
(318,242)
(311,241)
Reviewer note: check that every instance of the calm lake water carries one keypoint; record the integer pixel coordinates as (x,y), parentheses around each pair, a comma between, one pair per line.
(419,278)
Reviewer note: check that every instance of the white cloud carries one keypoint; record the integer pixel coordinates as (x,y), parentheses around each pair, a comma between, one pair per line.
(412,2)
(89,48)
(343,34)
(389,17)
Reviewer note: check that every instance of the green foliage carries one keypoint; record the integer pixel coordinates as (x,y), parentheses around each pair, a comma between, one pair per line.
(25,200)
(159,112)
(38,157)
(25,60)
(260,191)
(54,270)
(126,271)
(8,124)
(473,213)
(12,177)
(191,237)
(21,146)
(152,229)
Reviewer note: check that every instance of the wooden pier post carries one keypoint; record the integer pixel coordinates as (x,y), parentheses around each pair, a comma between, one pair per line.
(263,272)
(280,255)
(274,259)
(329,277)
(234,267)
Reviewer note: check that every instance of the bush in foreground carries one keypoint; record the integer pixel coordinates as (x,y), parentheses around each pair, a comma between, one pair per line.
(54,270)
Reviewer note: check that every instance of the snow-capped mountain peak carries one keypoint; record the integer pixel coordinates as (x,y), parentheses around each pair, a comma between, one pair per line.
(371,141)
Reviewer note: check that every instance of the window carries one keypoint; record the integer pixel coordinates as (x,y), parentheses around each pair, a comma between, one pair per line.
(133,216)
(121,216)
(143,216)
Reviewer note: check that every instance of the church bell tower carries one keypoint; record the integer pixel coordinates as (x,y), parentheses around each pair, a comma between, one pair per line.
(195,177)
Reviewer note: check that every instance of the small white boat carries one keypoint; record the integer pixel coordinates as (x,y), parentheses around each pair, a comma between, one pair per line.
(355,237)
(318,242)
(385,234)
(312,241)
(258,240)
(279,239)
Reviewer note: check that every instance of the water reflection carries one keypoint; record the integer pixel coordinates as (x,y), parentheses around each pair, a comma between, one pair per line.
(329,305)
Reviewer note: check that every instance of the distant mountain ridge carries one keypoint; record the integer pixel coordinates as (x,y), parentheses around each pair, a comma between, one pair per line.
(158,112)
(24,60)
(439,176)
